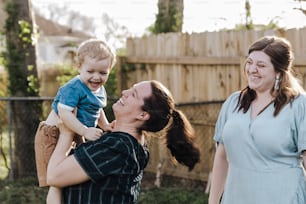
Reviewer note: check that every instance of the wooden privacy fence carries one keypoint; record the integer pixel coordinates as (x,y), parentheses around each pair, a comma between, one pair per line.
(201,70)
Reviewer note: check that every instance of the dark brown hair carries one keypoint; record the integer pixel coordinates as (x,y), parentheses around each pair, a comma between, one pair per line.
(178,131)
(280,52)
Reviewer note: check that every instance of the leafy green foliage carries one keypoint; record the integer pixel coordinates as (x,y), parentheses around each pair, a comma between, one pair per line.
(67,72)
(19,44)
(167,20)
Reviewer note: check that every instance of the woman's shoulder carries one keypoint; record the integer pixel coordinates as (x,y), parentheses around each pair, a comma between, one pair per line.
(301,97)
(123,142)
(234,95)
(120,138)
(300,100)
(232,100)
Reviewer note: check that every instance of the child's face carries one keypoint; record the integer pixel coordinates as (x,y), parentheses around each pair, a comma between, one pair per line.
(94,73)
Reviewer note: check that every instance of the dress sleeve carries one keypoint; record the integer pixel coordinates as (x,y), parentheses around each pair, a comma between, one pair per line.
(227,106)
(300,122)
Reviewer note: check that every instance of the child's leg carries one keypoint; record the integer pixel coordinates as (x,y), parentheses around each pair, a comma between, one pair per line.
(45,141)
(54,195)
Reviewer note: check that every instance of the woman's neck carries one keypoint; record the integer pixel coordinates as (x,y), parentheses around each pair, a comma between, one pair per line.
(130,130)
(264,96)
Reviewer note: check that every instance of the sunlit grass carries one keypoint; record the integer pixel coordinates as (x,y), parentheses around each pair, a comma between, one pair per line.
(177,195)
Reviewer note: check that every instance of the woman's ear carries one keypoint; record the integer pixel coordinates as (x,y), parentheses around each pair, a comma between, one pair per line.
(143,116)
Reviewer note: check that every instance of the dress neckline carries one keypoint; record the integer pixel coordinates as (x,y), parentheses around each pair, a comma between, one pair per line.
(264,108)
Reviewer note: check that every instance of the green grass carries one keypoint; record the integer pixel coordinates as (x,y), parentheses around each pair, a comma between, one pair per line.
(173,190)
(172,196)
(25,191)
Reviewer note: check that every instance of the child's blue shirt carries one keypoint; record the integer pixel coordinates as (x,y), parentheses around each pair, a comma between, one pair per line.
(75,94)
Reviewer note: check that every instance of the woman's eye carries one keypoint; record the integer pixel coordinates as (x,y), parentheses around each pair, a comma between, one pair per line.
(260,65)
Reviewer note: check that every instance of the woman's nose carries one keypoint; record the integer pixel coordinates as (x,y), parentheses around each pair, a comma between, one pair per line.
(124,93)
(252,68)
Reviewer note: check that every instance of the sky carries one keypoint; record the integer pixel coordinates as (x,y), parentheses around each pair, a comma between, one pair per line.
(199,15)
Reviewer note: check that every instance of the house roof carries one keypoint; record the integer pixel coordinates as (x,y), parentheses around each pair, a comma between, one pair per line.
(49,28)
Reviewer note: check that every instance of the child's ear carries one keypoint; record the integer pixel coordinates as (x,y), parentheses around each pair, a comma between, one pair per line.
(79,66)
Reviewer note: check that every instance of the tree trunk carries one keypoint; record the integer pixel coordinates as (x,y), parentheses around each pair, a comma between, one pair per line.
(23,82)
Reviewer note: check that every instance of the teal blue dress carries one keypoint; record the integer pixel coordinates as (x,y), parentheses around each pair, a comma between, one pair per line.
(264,154)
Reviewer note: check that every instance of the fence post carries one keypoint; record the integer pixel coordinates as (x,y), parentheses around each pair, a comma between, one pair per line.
(9,119)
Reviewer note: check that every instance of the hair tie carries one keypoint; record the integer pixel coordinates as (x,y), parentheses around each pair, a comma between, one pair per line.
(174,114)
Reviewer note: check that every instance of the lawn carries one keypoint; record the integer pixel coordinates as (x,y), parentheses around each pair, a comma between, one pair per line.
(26,191)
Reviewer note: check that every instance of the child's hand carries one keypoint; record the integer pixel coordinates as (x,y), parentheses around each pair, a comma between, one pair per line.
(93,133)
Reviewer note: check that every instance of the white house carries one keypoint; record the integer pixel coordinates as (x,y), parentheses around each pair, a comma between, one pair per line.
(56,43)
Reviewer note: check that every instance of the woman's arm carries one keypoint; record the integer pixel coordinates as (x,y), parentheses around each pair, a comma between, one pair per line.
(64,170)
(304,159)
(219,174)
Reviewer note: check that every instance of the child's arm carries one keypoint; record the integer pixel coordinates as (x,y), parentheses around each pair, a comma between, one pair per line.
(71,121)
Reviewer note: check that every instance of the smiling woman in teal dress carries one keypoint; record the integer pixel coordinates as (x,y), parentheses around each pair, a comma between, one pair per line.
(261,132)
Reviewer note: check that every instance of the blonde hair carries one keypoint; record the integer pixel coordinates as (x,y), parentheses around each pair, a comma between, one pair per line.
(96,49)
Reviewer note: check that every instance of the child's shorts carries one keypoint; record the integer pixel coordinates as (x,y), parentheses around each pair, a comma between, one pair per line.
(45,141)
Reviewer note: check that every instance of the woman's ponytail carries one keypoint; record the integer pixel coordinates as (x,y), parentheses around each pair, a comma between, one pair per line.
(178,133)
(180,140)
